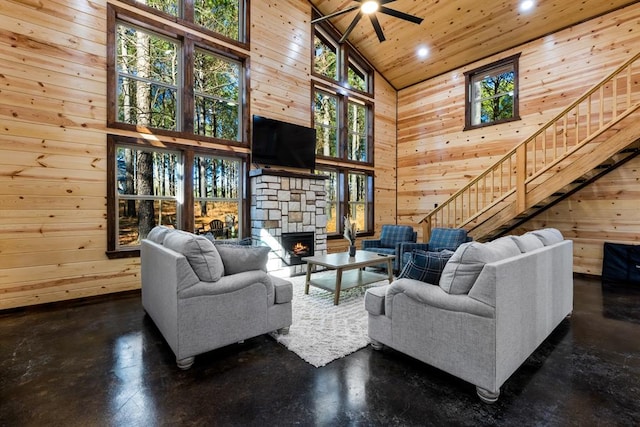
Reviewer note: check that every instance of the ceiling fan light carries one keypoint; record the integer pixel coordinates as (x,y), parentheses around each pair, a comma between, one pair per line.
(369,6)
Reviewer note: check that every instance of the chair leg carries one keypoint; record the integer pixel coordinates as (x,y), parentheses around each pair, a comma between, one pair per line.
(185,363)
(487,396)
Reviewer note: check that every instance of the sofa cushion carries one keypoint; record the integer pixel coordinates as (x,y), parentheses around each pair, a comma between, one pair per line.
(548,236)
(446,238)
(199,251)
(527,242)
(425,266)
(464,267)
(239,258)
(157,234)
(392,234)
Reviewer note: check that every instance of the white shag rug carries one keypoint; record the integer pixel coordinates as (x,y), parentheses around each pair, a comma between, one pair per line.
(321,331)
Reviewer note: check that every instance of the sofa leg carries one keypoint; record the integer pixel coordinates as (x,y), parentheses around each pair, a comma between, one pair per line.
(487,396)
(283,331)
(376,345)
(185,363)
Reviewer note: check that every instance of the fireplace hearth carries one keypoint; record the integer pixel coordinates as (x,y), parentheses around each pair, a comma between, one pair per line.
(296,246)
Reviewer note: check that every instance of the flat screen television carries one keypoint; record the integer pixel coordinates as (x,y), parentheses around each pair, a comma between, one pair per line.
(277,143)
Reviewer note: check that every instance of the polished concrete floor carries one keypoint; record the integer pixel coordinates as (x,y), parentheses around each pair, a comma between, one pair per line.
(102,362)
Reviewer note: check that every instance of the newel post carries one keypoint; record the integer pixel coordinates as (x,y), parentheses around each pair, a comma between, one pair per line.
(521,177)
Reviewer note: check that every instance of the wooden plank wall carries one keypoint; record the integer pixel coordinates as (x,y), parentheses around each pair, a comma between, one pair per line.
(436,157)
(53,138)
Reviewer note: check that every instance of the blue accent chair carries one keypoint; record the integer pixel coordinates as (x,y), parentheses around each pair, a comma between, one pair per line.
(390,241)
(441,238)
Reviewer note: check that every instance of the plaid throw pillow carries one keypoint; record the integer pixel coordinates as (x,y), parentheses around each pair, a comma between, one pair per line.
(426,266)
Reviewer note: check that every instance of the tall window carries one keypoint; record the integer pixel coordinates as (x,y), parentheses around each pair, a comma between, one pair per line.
(492,93)
(187,91)
(224,17)
(173,84)
(343,119)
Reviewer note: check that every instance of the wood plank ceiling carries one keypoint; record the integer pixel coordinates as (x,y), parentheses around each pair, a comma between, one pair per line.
(456,32)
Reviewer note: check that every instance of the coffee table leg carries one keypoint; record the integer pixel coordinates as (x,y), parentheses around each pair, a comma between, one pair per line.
(306,282)
(390,270)
(336,297)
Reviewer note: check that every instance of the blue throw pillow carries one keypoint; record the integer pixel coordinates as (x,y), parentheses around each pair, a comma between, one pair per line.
(426,266)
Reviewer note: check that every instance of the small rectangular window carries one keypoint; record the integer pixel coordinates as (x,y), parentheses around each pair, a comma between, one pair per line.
(217,196)
(147,78)
(331,210)
(148,183)
(326,123)
(357,133)
(325,57)
(217,89)
(492,94)
(358,192)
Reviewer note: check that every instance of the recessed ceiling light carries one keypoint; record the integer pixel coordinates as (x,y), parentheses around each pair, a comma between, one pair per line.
(526,5)
(369,6)
(422,52)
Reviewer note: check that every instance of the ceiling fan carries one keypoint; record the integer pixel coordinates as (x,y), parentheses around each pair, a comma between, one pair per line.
(369,7)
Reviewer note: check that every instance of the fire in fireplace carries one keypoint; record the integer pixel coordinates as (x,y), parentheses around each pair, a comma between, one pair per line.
(296,246)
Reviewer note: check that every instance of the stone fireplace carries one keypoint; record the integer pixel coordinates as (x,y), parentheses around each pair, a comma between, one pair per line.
(283,205)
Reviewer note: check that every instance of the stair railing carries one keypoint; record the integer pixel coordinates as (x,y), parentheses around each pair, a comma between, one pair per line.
(601,107)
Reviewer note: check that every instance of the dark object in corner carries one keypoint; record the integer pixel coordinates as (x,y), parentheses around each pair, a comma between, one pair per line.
(621,263)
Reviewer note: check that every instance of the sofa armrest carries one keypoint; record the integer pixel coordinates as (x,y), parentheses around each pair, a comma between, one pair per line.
(231,283)
(283,290)
(371,243)
(432,295)
(374,299)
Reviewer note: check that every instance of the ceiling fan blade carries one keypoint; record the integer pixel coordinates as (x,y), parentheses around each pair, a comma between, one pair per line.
(351,27)
(400,15)
(377,27)
(334,14)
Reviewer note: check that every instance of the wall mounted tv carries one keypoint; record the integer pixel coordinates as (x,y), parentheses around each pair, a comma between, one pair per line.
(277,143)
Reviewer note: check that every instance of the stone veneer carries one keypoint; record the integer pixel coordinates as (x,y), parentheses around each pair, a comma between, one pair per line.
(287,202)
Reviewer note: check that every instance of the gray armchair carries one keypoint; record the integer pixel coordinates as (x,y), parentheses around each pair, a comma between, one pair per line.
(390,241)
(441,239)
(203,296)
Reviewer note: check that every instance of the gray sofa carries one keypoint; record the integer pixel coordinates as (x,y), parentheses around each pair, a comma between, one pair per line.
(203,296)
(493,306)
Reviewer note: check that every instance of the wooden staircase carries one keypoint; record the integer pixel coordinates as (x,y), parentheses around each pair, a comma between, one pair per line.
(594,135)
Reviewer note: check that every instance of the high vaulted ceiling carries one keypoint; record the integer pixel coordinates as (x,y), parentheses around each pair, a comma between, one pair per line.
(456,32)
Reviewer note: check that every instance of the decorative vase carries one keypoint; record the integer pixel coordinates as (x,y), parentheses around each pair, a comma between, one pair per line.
(352,250)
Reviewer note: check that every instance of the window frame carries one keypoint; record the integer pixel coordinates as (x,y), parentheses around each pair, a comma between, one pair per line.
(342,198)
(346,58)
(189,43)
(343,131)
(345,55)
(185,215)
(187,19)
(513,62)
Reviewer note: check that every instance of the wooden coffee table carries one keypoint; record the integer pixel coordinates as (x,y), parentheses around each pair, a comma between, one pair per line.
(340,262)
